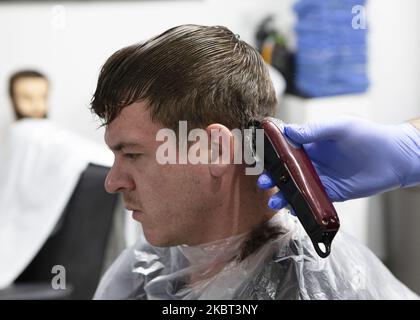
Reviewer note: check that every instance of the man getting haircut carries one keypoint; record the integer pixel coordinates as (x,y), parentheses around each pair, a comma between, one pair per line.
(207,232)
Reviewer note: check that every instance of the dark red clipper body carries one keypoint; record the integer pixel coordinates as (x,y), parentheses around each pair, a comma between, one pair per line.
(293,172)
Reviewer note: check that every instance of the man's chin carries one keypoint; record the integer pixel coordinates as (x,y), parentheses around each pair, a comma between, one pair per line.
(159,241)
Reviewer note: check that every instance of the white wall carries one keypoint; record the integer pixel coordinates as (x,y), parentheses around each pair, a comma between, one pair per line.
(394,57)
(394,71)
(72,41)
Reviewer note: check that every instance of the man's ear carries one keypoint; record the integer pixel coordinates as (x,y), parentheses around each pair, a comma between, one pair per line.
(221,147)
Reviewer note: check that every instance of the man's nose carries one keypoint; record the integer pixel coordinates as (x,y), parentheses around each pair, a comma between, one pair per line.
(118,181)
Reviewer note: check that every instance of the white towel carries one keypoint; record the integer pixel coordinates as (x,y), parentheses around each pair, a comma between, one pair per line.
(40,165)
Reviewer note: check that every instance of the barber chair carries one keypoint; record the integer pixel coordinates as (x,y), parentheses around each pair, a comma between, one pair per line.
(78,243)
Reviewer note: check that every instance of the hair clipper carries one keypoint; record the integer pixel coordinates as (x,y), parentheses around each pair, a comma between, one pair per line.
(294,174)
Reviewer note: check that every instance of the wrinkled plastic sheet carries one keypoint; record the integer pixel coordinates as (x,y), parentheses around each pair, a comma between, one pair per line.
(276,261)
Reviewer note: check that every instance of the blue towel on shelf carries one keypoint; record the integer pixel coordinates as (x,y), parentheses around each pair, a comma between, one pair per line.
(331,56)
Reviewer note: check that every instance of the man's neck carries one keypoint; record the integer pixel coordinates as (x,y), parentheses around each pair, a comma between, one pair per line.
(244,208)
(245,211)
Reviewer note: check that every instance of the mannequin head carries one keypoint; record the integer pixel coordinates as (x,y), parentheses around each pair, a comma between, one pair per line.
(28,92)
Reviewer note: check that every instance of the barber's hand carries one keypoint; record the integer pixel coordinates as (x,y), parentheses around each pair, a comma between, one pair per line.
(355,157)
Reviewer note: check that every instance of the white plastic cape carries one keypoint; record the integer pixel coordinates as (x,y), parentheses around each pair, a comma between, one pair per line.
(285,267)
(40,165)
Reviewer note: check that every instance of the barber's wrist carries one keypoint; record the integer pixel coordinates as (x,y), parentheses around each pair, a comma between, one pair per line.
(415,123)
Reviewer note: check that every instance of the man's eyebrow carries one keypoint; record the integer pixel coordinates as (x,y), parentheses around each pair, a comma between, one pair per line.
(124,145)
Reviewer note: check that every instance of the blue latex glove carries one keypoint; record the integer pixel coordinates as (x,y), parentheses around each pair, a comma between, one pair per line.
(355,157)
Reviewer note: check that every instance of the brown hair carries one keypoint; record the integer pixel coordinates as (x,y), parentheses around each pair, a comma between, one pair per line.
(195,73)
(14,78)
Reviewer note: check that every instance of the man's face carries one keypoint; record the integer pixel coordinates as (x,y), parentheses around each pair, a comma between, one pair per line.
(30,97)
(173,202)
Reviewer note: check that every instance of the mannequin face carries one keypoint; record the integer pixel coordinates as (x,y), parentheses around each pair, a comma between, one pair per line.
(30,97)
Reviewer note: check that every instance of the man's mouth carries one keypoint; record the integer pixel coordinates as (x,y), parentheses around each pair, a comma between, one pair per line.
(137,215)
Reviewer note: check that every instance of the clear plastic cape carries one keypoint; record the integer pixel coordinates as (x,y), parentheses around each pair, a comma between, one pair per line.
(275,261)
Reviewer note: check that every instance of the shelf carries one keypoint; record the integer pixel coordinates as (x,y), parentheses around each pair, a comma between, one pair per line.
(299,110)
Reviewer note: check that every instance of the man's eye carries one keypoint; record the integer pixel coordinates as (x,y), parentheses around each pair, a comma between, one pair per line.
(132,156)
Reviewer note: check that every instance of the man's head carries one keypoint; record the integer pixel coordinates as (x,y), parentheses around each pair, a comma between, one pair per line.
(207,77)
(28,90)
